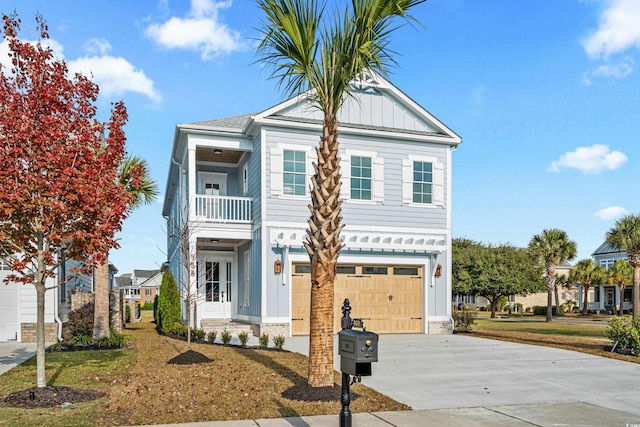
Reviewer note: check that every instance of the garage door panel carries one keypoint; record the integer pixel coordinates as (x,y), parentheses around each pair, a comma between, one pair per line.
(387,302)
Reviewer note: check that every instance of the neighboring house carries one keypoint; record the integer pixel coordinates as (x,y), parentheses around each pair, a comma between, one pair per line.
(540,298)
(607,297)
(140,286)
(240,187)
(18,303)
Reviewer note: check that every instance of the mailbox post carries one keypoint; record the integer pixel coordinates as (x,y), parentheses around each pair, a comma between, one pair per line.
(357,350)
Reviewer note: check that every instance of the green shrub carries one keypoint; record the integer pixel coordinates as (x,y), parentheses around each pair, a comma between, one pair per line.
(263,341)
(211,336)
(243,337)
(463,320)
(82,340)
(278,342)
(147,306)
(541,310)
(80,321)
(127,313)
(58,346)
(114,340)
(225,337)
(155,309)
(624,335)
(168,304)
(197,334)
(178,329)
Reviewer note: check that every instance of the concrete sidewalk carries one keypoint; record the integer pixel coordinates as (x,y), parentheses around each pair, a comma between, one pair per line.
(551,415)
(12,354)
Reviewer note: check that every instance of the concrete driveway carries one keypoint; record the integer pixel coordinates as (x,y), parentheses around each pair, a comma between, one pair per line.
(13,354)
(458,371)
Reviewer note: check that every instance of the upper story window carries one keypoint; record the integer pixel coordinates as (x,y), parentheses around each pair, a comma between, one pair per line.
(294,174)
(361,178)
(607,263)
(289,165)
(422,182)
(245,179)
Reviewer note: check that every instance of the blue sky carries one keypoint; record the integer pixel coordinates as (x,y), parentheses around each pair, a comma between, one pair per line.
(544,93)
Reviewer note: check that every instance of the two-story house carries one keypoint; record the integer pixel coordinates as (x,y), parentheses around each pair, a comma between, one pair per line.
(608,297)
(240,186)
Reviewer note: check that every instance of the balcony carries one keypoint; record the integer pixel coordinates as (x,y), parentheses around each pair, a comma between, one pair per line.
(223,209)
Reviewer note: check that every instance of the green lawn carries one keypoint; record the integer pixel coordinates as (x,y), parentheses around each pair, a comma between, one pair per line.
(528,325)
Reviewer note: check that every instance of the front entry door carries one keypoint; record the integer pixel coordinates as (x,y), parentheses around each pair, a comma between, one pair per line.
(215,289)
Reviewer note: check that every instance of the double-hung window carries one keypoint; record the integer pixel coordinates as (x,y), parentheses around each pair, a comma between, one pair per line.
(361,178)
(294,175)
(422,182)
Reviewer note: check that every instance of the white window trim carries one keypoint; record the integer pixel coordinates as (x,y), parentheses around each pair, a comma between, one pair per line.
(437,186)
(277,157)
(377,176)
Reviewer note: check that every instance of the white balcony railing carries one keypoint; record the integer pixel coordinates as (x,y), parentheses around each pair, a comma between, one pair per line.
(223,208)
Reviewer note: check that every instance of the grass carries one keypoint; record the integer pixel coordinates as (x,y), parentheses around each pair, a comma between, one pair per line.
(560,333)
(144,389)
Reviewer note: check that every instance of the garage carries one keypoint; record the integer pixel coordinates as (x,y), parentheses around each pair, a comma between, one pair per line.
(388,298)
(8,309)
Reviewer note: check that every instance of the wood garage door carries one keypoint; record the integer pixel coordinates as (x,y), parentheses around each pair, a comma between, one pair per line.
(388,298)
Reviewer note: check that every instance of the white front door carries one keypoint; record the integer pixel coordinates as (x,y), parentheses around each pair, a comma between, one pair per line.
(215,277)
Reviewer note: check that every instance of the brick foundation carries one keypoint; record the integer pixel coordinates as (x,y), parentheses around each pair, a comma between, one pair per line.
(440,328)
(29,334)
(273,329)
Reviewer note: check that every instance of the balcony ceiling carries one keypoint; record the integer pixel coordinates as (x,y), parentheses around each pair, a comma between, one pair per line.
(207,154)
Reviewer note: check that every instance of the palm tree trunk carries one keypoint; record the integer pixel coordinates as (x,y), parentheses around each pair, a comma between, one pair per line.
(323,245)
(549,317)
(555,294)
(585,299)
(636,289)
(101,302)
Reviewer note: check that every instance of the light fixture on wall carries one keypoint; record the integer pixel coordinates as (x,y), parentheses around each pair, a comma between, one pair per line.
(217,151)
(438,270)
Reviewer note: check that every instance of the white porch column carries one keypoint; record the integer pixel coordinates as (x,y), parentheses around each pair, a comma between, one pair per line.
(618,297)
(192,281)
(601,290)
(192,180)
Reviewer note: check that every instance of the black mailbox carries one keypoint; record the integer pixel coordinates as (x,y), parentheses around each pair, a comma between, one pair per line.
(357,350)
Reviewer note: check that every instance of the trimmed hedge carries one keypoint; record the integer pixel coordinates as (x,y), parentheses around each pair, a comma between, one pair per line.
(168,311)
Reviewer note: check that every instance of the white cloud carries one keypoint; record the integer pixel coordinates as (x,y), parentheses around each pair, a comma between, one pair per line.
(619,71)
(593,159)
(618,29)
(200,30)
(611,212)
(114,75)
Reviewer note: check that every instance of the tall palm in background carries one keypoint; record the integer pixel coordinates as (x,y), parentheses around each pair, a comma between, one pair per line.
(621,274)
(552,247)
(625,236)
(309,55)
(134,176)
(587,274)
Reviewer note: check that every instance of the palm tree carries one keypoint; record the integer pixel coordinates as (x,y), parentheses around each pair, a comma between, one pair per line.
(552,247)
(561,282)
(621,274)
(625,236)
(587,274)
(322,61)
(134,176)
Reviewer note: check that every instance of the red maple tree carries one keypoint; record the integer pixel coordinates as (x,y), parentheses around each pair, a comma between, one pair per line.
(59,189)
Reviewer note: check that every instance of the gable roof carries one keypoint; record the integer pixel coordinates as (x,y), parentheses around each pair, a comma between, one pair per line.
(377,108)
(606,249)
(145,274)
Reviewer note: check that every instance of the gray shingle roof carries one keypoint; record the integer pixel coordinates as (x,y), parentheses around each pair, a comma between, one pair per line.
(234,122)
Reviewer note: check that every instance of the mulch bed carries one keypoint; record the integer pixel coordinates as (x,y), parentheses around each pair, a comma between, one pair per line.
(48,397)
(305,393)
(190,357)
